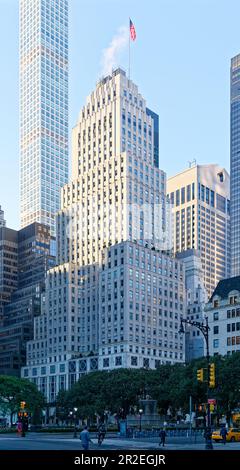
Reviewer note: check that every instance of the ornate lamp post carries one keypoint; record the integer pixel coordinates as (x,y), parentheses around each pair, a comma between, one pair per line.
(204,328)
(140,424)
(75,422)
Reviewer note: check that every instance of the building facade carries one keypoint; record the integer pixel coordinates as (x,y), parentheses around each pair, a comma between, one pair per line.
(114,299)
(2,221)
(125,313)
(234,166)
(43,108)
(30,254)
(8,266)
(196,298)
(223,312)
(201,218)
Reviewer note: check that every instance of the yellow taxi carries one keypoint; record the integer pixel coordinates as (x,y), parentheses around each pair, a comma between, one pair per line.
(232,435)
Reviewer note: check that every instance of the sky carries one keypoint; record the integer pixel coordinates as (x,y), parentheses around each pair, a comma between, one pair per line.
(180,62)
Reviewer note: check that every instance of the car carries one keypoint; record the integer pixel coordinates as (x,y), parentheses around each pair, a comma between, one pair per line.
(232,435)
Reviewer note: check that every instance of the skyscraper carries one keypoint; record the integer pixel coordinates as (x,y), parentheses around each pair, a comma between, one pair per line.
(114,299)
(25,257)
(2,221)
(235,166)
(155,118)
(43,108)
(201,212)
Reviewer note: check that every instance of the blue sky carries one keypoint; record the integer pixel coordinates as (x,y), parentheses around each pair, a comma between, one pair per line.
(180,61)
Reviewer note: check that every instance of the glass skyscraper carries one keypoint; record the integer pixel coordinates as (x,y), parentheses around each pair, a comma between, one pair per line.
(235,166)
(43,108)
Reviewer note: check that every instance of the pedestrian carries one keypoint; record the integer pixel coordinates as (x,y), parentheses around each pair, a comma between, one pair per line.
(19,428)
(223,433)
(85,438)
(101,433)
(162,435)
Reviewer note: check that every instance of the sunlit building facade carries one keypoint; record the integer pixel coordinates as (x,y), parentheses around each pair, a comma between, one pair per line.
(43,108)
(115,298)
(201,218)
(235,166)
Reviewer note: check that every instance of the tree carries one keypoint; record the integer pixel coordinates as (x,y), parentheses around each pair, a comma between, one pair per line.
(13,390)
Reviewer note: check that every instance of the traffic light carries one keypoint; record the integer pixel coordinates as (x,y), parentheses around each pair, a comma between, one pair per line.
(200,375)
(212,375)
(22,405)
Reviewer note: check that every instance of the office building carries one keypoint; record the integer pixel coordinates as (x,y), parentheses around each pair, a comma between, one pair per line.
(223,312)
(155,118)
(43,108)
(2,221)
(115,298)
(234,166)
(8,266)
(27,256)
(196,299)
(201,218)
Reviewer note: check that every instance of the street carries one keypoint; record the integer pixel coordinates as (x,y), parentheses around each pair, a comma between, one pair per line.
(38,441)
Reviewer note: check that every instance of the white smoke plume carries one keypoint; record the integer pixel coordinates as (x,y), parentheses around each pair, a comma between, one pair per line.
(110,55)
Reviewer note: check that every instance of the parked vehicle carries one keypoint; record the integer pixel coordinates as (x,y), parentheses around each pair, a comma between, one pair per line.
(233,435)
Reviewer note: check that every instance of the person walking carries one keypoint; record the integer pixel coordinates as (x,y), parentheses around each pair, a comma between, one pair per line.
(19,428)
(223,433)
(85,438)
(101,433)
(162,435)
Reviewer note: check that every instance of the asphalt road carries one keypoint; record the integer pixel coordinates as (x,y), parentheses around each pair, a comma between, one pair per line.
(34,441)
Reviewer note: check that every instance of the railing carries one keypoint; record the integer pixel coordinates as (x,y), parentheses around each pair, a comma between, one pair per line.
(169,433)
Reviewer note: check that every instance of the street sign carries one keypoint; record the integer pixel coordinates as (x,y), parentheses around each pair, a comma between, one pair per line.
(212,401)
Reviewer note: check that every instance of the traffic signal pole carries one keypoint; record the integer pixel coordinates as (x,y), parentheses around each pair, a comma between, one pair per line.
(208,430)
(204,328)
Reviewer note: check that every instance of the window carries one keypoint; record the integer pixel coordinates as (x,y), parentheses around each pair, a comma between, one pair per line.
(134,360)
(105,362)
(232,300)
(118,361)
(215,316)
(221,203)
(221,177)
(215,304)
(183,196)
(215,343)
(215,330)
(177,197)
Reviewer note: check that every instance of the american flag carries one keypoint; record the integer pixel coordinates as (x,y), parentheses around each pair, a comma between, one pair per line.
(132,31)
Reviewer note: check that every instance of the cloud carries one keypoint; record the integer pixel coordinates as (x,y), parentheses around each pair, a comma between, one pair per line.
(110,55)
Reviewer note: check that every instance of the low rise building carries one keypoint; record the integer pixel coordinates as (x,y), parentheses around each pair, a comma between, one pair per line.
(223,312)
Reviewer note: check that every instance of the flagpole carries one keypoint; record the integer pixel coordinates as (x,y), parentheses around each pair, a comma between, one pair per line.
(129,51)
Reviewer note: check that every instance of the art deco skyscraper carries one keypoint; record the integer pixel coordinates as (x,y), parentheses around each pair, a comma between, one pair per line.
(43,108)
(115,298)
(235,166)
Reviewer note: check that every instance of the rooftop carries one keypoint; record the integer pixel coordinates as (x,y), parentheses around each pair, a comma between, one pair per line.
(225,286)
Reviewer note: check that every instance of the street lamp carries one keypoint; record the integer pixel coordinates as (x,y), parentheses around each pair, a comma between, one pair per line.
(204,328)
(75,422)
(140,424)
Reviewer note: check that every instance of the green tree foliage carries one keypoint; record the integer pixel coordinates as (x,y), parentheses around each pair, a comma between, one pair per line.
(14,390)
(170,385)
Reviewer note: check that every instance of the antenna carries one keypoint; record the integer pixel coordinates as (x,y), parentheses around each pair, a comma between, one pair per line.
(192,163)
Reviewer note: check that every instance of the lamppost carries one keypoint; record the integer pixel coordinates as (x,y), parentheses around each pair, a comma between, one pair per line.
(140,423)
(75,422)
(204,328)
